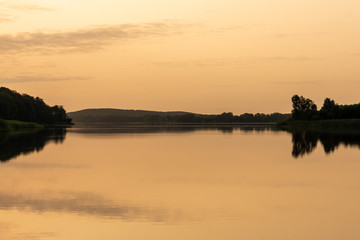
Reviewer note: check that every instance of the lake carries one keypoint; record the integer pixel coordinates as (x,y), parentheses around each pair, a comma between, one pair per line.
(180,182)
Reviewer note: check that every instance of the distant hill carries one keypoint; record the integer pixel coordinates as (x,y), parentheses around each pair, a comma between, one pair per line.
(117,115)
(108,115)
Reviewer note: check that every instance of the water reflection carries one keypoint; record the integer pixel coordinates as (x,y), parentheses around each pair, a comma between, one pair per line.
(186,128)
(14,145)
(152,182)
(306,140)
(86,204)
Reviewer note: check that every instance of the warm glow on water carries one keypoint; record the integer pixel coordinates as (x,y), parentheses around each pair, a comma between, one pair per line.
(185,184)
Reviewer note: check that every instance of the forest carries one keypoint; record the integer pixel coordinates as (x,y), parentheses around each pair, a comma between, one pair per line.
(22,107)
(229,117)
(306,109)
(140,116)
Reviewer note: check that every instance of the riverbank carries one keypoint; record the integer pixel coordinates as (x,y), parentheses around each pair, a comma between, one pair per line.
(333,123)
(76,124)
(15,126)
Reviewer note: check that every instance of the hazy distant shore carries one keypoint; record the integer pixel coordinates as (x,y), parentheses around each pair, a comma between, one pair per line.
(121,116)
(172,124)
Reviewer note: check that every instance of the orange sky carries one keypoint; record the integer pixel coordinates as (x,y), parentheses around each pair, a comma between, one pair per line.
(203,56)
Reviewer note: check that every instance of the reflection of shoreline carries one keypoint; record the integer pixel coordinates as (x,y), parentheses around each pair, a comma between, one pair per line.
(14,145)
(170,128)
(305,141)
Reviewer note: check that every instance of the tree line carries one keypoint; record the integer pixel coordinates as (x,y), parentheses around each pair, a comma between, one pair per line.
(306,109)
(23,107)
(186,118)
(226,117)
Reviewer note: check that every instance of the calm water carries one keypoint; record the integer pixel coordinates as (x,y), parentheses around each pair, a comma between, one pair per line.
(180,183)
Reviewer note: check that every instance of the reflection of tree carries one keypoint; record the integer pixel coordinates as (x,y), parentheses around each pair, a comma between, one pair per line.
(13,145)
(332,141)
(226,129)
(305,141)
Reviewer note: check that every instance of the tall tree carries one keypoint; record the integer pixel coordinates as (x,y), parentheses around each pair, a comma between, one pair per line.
(303,108)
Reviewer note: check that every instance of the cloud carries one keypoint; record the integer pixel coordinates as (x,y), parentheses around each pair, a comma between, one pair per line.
(10,6)
(27,78)
(32,235)
(86,204)
(83,40)
(221,30)
(29,7)
(202,63)
(5,19)
(286,35)
(298,82)
(23,6)
(237,62)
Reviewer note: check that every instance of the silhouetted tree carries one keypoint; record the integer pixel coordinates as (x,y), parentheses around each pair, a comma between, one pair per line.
(14,106)
(303,108)
(330,110)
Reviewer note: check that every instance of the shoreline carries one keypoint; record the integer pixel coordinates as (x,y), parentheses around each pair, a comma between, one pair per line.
(331,123)
(7,126)
(75,124)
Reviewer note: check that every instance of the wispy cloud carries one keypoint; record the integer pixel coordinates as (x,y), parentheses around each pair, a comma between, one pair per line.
(202,63)
(29,7)
(286,35)
(238,62)
(221,30)
(9,9)
(84,40)
(5,19)
(23,6)
(298,82)
(28,78)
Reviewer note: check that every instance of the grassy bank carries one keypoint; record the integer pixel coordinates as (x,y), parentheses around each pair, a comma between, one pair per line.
(13,126)
(333,123)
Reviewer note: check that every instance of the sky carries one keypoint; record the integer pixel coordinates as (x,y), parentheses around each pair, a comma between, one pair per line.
(204,56)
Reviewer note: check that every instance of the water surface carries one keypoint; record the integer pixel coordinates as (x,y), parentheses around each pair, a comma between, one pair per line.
(184,182)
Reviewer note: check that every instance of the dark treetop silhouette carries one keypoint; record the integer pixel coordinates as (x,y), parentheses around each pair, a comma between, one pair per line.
(306,109)
(332,125)
(22,107)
